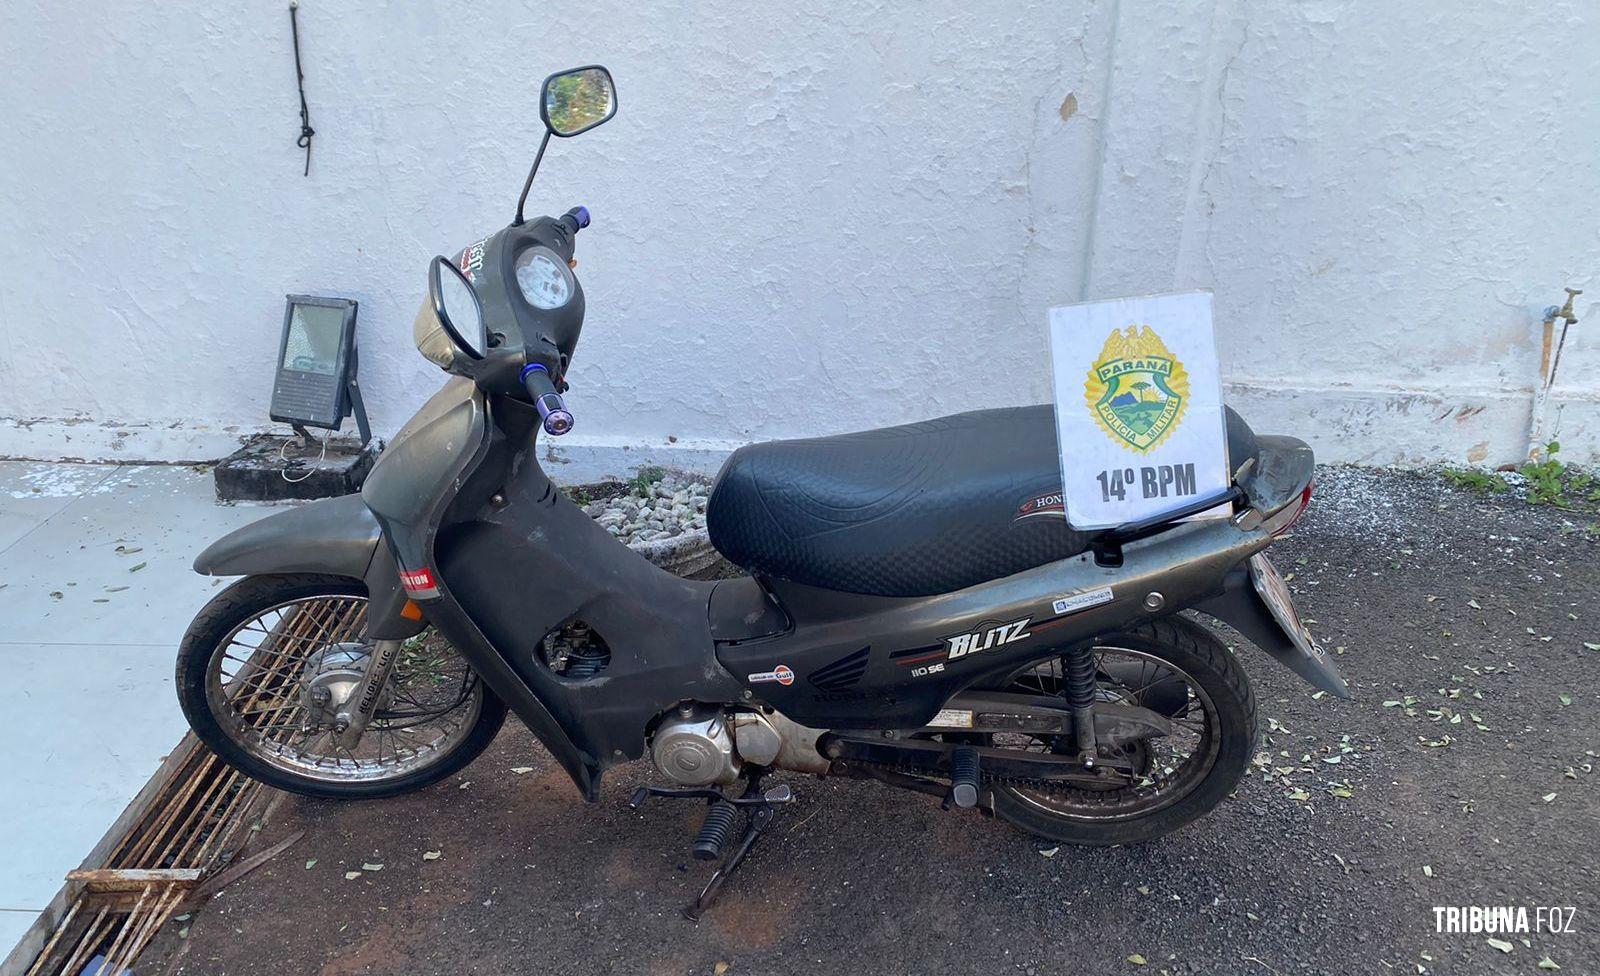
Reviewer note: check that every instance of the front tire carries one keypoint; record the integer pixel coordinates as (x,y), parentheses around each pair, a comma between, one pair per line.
(254,717)
(1218,689)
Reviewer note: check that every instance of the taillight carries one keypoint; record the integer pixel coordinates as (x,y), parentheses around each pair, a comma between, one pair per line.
(1284,518)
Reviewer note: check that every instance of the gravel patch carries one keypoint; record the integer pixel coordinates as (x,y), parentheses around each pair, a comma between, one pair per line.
(655,506)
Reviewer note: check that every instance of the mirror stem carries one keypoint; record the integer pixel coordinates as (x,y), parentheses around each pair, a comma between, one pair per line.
(528,185)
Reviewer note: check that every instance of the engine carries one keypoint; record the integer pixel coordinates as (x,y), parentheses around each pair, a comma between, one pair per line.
(694,747)
(700,745)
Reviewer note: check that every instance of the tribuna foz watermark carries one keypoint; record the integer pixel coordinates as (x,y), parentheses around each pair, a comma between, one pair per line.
(1503,919)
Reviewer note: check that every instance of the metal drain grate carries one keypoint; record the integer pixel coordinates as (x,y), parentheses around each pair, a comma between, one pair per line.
(163,856)
(108,937)
(155,869)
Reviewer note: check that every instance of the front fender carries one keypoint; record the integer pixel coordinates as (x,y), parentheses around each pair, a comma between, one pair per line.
(335,536)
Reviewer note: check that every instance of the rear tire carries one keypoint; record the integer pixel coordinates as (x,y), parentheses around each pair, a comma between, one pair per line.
(250,598)
(1231,719)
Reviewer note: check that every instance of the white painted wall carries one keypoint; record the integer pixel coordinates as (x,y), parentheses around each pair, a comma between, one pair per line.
(810,217)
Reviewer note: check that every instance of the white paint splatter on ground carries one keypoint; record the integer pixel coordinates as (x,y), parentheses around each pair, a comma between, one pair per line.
(40,479)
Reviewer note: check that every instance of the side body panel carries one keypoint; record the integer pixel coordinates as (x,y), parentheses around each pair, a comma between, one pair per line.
(528,561)
(416,480)
(891,663)
(508,559)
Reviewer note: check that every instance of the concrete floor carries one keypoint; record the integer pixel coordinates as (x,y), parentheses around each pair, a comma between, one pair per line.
(95,592)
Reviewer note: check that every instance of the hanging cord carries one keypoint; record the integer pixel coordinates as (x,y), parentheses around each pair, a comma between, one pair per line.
(306,132)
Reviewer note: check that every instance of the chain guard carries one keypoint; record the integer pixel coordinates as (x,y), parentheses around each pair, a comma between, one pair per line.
(989,779)
(859,753)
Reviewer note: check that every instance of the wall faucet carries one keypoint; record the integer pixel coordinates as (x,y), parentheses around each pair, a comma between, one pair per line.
(1549,363)
(1564,312)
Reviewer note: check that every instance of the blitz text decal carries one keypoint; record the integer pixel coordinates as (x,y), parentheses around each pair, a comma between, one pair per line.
(963,644)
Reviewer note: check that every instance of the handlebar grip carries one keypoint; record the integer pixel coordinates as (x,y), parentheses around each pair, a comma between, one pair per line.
(577,218)
(552,409)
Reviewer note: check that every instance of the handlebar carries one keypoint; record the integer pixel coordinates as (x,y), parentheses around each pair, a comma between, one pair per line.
(536,376)
(557,418)
(576,219)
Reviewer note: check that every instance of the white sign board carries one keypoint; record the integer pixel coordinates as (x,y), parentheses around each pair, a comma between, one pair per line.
(1138,407)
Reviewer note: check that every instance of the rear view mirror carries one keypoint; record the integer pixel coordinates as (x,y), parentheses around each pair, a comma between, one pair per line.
(577,100)
(456,306)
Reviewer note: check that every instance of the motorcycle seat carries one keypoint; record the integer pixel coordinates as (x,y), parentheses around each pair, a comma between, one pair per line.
(905,511)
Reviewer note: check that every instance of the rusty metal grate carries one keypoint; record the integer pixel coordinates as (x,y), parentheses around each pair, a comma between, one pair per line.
(156,869)
(167,859)
(115,935)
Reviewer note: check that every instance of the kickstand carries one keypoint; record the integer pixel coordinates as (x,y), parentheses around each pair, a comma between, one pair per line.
(760,816)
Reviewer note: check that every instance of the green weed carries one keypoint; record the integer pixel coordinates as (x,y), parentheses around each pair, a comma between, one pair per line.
(648,477)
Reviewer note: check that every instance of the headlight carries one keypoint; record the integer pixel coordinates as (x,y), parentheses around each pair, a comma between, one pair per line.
(543,278)
(431,339)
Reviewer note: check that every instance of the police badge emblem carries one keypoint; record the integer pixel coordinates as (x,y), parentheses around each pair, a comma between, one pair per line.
(1137,389)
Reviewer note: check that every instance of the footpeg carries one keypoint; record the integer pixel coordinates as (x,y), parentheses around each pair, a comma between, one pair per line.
(716,830)
(760,816)
(964,776)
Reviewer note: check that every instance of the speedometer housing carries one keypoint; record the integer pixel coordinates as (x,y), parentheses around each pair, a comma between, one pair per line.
(543,278)
(520,331)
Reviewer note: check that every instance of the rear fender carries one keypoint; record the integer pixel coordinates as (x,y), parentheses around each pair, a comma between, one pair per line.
(1240,607)
(335,536)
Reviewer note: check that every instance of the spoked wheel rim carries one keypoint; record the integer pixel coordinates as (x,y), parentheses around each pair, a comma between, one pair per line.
(254,687)
(1168,768)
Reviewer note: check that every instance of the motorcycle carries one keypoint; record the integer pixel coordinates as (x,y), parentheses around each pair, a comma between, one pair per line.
(915,608)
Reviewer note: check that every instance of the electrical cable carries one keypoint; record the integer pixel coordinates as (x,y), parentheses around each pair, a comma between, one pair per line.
(289,462)
(306,132)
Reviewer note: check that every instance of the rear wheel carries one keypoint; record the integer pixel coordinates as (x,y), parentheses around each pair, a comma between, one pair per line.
(1172,666)
(263,663)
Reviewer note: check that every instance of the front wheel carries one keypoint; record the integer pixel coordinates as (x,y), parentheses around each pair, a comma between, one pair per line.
(264,661)
(1177,668)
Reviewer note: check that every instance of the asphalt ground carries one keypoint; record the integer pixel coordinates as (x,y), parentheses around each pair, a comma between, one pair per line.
(1463,773)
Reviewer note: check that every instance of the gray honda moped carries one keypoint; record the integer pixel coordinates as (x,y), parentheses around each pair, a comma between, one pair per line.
(917,609)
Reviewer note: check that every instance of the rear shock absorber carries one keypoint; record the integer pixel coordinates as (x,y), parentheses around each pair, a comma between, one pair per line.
(1080,667)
